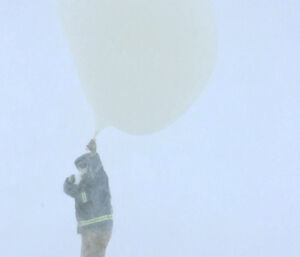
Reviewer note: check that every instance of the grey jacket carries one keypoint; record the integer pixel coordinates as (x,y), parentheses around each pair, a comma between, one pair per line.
(92,195)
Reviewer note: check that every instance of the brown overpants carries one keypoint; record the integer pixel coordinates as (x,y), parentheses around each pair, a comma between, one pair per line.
(94,242)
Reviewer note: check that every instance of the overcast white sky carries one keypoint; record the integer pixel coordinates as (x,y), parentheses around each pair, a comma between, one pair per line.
(223,181)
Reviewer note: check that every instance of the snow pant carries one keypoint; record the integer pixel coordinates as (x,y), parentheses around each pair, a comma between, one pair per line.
(94,242)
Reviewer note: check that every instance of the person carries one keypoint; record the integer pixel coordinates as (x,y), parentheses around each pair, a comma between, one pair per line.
(91,192)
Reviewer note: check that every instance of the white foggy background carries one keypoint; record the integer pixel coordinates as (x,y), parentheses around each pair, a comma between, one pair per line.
(223,181)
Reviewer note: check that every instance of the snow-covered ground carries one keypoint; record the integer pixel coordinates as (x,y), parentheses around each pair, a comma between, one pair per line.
(223,181)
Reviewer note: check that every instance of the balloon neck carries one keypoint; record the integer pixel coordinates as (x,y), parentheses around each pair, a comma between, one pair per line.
(96,133)
(98,130)
(100,124)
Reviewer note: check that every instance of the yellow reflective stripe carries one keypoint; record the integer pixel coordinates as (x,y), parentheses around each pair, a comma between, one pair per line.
(83,196)
(95,220)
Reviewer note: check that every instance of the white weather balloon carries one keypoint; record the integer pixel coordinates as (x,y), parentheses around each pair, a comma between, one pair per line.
(142,63)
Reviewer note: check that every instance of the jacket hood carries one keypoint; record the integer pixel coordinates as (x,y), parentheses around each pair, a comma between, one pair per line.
(82,160)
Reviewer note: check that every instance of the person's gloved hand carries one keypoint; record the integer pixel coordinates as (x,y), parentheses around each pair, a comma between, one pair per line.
(92,146)
(71,179)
